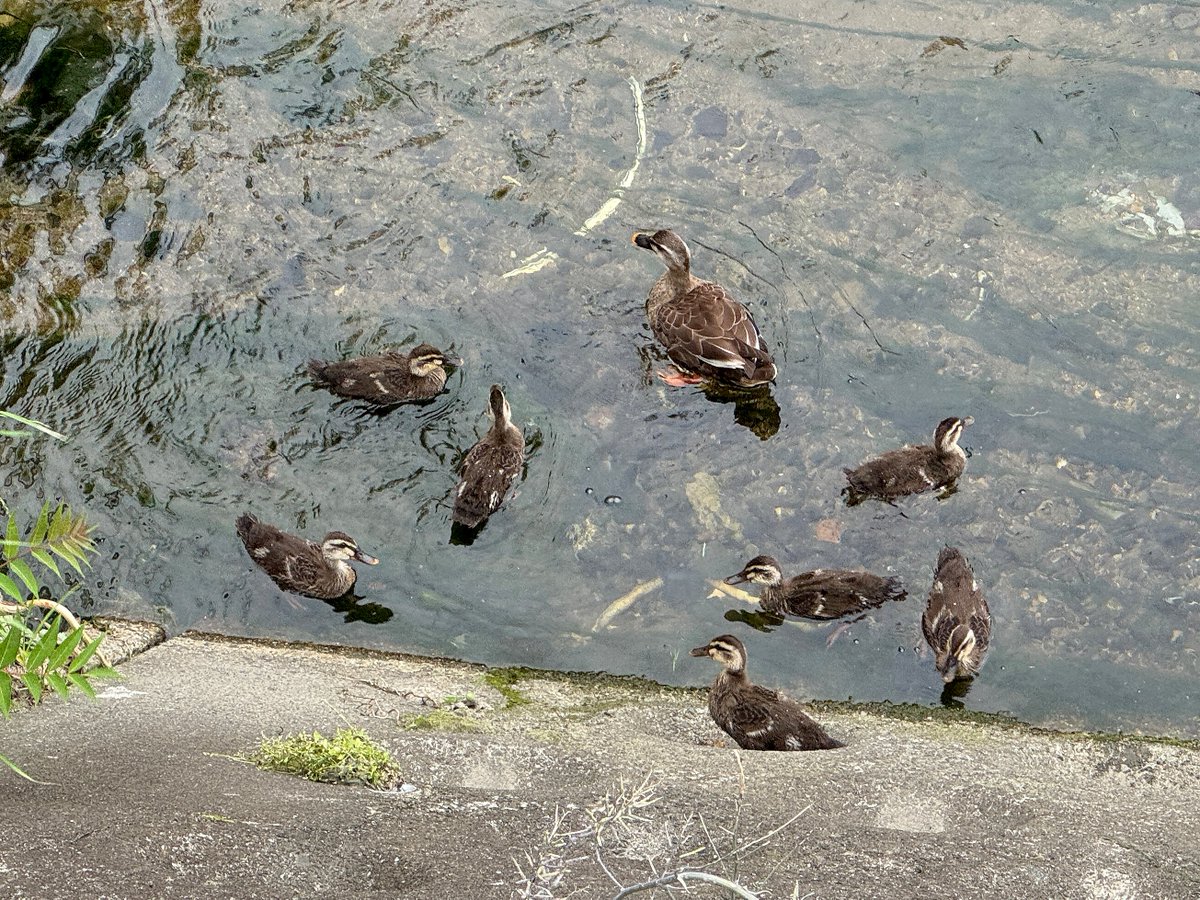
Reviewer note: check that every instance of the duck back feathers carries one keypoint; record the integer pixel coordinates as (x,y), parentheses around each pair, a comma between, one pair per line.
(490,467)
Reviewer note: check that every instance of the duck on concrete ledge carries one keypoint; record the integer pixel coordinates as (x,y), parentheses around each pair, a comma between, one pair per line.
(756,717)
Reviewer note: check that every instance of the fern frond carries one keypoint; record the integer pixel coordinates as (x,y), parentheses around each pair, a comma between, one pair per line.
(57,532)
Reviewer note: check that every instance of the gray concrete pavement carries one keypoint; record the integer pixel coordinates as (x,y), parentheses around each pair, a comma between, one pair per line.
(146,800)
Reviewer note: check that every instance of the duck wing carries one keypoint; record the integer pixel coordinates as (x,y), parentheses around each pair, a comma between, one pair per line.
(763,719)
(488,472)
(292,562)
(825,594)
(381,379)
(894,474)
(708,331)
(750,720)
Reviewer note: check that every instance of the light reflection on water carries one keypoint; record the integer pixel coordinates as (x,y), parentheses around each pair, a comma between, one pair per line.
(201,201)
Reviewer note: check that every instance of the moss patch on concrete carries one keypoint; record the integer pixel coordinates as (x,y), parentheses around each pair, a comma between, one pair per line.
(349,757)
(440,720)
(505,682)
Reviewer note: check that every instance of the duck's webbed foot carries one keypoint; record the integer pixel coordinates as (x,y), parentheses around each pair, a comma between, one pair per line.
(676,377)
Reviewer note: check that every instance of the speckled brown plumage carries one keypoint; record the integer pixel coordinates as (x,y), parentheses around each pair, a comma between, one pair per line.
(911,470)
(387,378)
(757,718)
(819,594)
(299,565)
(957,623)
(490,467)
(701,326)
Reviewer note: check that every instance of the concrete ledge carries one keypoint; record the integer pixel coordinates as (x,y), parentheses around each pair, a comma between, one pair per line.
(147,801)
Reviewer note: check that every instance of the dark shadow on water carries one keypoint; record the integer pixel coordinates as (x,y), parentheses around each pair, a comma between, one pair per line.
(354,609)
(464,536)
(956,692)
(756,619)
(755,408)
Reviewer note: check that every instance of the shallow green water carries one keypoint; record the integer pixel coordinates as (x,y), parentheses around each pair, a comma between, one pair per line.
(199,197)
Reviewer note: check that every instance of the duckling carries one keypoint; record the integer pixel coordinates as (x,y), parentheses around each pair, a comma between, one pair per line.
(911,470)
(387,378)
(706,333)
(490,467)
(819,594)
(957,622)
(756,717)
(299,565)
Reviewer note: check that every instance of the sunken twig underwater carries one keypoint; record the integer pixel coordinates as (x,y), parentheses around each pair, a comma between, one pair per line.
(957,622)
(705,331)
(758,718)
(387,378)
(911,470)
(490,467)
(299,565)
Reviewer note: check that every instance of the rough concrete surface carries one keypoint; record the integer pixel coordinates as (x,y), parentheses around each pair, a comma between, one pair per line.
(148,800)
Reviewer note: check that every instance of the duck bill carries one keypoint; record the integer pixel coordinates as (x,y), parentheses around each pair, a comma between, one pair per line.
(451,360)
(700,651)
(365,558)
(642,240)
(739,578)
(969,420)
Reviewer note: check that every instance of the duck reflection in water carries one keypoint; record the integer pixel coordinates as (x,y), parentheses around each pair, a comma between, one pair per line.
(753,408)
(354,608)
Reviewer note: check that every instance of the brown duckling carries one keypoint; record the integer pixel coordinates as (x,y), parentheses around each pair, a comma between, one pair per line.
(957,622)
(705,331)
(490,467)
(756,717)
(299,565)
(911,470)
(387,378)
(819,594)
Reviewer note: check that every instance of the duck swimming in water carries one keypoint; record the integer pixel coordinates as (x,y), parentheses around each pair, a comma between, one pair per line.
(819,594)
(911,470)
(299,565)
(490,467)
(387,378)
(957,623)
(705,331)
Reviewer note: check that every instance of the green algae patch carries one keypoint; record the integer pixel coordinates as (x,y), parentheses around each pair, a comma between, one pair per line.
(440,720)
(505,681)
(349,757)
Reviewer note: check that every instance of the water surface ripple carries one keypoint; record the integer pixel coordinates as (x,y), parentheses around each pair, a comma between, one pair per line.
(970,211)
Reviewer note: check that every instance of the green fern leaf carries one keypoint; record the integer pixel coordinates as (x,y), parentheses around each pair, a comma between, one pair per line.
(43,522)
(21,569)
(46,560)
(33,684)
(12,538)
(62,653)
(9,647)
(81,682)
(81,658)
(8,586)
(57,682)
